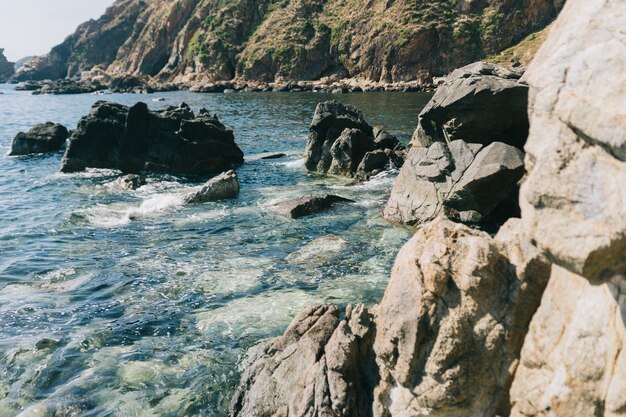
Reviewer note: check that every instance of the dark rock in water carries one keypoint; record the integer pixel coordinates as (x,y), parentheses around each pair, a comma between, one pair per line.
(479,103)
(274,156)
(62,86)
(466,182)
(223,187)
(340,138)
(7,69)
(42,138)
(129,84)
(373,162)
(28,86)
(304,206)
(135,139)
(321,363)
(131,181)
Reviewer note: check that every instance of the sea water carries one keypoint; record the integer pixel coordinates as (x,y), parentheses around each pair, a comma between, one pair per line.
(129,303)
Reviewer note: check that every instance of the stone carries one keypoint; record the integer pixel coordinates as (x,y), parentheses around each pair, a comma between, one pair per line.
(444,341)
(463,181)
(340,138)
(478,103)
(573,362)
(374,161)
(321,366)
(7,69)
(452,321)
(223,187)
(318,251)
(573,202)
(131,181)
(274,156)
(41,138)
(136,139)
(307,205)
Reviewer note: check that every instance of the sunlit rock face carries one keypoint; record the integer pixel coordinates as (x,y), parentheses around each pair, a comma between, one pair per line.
(574,208)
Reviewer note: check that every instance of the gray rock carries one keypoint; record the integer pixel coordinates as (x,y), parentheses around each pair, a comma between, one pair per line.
(274,156)
(339,139)
(135,139)
(131,181)
(374,161)
(479,103)
(307,205)
(462,181)
(223,187)
(321,366)
(41,138)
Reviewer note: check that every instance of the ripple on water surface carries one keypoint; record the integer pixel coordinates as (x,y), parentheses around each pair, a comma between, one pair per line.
(128,303)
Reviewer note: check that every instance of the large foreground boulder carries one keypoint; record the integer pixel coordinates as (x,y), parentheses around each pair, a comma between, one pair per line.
(341,142)
(443,341)
(136,139)
(466,182)
(574,206)
(41,138)
(479,103)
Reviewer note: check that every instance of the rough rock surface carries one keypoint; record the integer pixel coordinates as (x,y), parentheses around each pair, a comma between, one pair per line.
(479,103)
(455,312)
(466,182)
(135,139)
(574,207)
(223,187)
(7,69)
(307,205)
(267,40)
(131,181)
(41,138)
(321,366)
(341,142)
(452,322)
(574,358)
(573,202)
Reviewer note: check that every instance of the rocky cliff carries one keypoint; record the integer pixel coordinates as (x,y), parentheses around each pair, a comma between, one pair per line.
(265,40)
(530,322)
(6,68)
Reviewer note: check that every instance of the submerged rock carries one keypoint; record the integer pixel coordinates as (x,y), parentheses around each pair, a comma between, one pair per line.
(307,205)
(131,181)
(466,182)
(41,138)
(340,139)
(318,251)
(479,103)
(223,187)
(136,139)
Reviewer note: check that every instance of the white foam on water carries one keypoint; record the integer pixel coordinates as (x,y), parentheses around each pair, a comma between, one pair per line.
(121,214)
(295,164)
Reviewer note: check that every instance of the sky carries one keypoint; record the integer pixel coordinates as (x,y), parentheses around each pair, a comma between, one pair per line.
(33,27)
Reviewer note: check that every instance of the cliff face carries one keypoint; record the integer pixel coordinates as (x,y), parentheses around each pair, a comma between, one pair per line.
(263,40)
(6,68)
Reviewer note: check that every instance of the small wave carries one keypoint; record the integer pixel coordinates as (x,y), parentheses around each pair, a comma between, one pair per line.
(116,215)
(295,164)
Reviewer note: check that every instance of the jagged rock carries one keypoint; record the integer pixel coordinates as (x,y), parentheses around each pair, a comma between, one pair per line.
(573,362)
(131,181)
(574,207)
(443,342)
(479,103)
(573,202)
(340,138)
(453,319)
(321,366)
(135,139)
(463,181)
(63,86)
(41,138)
(7,69)
(223,187)
(307,205)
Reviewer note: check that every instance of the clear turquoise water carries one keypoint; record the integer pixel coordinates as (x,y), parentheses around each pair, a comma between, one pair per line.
(101,315)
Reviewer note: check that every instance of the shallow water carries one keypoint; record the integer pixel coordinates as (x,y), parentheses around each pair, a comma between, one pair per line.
(127,303)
